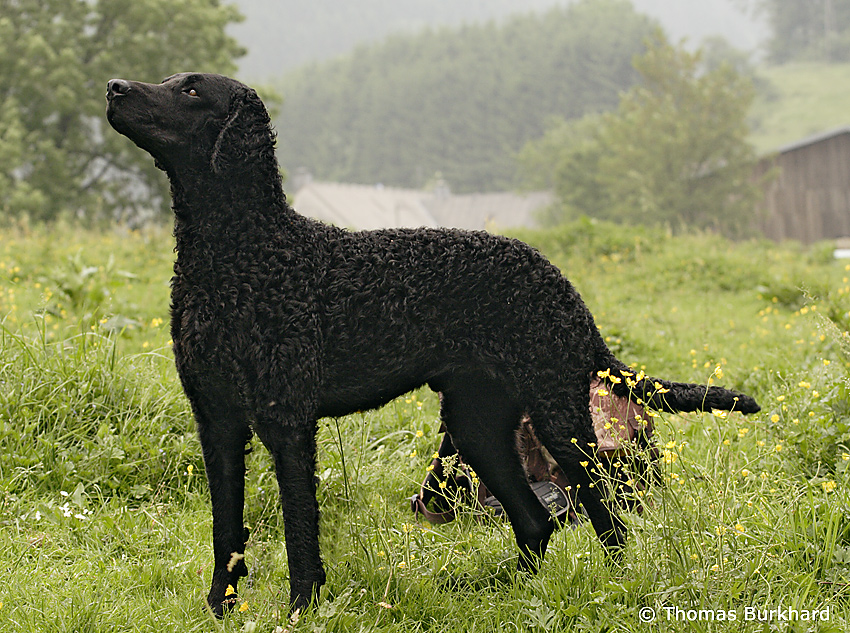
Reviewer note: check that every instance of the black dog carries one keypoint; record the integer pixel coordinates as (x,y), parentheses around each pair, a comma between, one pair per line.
(278,320)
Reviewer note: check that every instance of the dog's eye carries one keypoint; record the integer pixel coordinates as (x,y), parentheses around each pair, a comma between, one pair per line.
(191,92)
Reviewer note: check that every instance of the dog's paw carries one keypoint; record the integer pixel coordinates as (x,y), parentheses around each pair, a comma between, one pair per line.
(219,602)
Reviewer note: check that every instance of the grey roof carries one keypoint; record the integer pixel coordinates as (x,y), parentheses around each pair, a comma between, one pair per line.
(488,210)
(371,207)
(362,207)
(814,138)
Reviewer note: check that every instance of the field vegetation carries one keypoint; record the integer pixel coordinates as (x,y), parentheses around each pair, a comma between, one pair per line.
(799,100)
(104,509)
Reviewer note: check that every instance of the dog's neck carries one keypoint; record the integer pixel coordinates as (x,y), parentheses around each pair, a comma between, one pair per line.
(241,198)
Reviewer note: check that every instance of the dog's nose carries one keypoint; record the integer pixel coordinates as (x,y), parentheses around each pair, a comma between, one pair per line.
(117,88)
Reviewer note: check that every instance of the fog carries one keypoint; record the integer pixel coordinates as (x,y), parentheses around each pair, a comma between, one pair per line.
(282,34)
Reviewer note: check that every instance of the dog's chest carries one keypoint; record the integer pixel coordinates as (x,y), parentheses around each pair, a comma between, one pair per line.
(208,323)
(235,324)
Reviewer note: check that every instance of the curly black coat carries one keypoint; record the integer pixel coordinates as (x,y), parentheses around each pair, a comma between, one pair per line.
(278,321)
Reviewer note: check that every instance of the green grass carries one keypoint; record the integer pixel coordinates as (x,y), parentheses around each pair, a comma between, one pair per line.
(804,99)
(104,518)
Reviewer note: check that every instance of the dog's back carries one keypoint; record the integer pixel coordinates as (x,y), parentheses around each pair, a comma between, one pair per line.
(412,305)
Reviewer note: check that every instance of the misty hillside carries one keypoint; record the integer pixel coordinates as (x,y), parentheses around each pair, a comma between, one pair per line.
(805,98)
(462,101)
(283,34)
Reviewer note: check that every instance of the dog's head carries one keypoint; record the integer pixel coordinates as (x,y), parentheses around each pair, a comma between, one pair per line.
(191,120)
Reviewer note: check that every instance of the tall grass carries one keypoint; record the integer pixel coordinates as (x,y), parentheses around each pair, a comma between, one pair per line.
(104,515)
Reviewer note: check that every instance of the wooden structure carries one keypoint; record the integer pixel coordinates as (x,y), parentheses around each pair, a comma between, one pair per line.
(809,199)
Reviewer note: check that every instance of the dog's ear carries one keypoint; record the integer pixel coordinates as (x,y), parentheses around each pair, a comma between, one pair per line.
(245,133)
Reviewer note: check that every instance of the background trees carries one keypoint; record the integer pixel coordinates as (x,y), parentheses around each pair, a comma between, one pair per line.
(674,152)
(55,59)
(810,30)
(460,101)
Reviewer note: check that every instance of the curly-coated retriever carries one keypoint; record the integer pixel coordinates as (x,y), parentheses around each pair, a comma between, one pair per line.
(278,320)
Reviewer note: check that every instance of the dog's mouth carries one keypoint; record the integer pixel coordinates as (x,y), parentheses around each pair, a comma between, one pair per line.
(115,93)
(116,120)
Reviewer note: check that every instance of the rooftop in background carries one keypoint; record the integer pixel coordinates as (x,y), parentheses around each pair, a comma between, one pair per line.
(375,206)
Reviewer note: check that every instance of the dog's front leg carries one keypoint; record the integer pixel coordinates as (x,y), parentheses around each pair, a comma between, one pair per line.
(224,458)
(293,447)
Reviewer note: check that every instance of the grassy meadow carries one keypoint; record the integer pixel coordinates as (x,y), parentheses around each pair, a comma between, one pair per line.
(802,99)
(104,515)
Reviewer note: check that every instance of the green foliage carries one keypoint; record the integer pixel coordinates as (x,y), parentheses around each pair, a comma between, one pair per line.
(674,152)
(56,151)
(460,101)
(87,417)
(104,509)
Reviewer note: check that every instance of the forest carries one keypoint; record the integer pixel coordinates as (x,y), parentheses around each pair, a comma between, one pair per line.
(461,102)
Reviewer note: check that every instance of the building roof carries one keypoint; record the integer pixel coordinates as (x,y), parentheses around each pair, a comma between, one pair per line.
(488,210)
(814,138)
(371,207)
(362,207)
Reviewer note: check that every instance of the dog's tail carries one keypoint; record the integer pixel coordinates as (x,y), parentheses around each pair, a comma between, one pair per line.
(671,397)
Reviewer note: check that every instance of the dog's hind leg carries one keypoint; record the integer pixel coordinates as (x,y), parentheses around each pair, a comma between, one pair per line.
(223,432)
(293,448)
(570,446)
(482,422)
